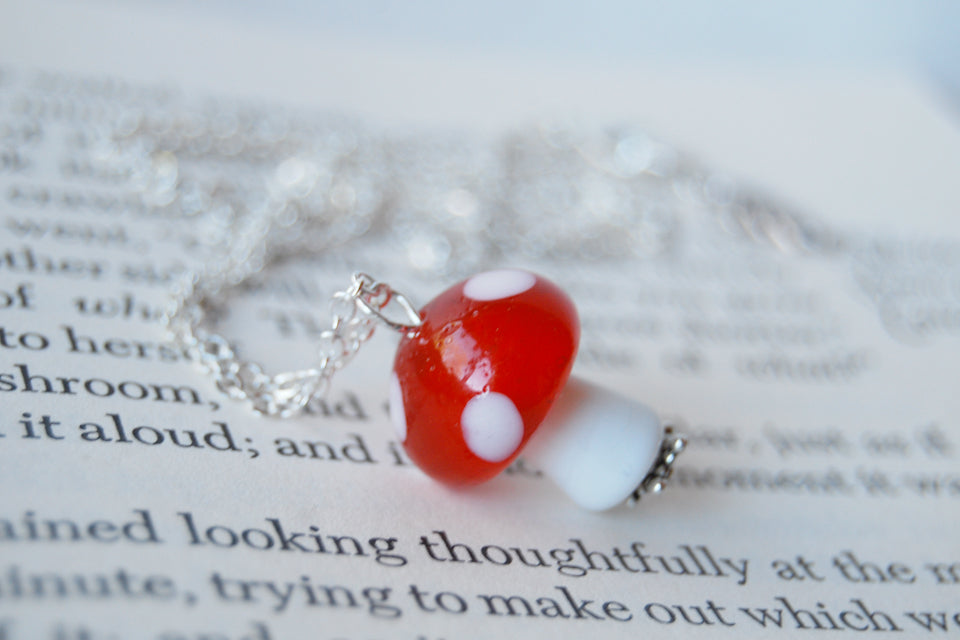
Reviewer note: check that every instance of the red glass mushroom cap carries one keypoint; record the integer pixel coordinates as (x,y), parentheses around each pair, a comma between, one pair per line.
(477,378)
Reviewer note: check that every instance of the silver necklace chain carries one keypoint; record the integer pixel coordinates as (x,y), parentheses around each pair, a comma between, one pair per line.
(355,313)
(260,188)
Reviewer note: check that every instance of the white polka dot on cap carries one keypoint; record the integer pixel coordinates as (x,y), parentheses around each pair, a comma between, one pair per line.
(398,415)
(492,426)
(495,285)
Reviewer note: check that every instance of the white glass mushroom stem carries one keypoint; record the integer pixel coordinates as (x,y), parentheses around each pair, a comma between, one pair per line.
(596,445)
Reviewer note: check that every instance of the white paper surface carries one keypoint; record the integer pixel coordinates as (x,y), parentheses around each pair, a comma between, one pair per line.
(819,492)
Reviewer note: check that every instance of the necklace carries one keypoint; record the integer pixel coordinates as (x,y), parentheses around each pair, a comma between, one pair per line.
(478,368)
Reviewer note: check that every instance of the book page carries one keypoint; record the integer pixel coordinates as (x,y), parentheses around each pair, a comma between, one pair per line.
(817,390)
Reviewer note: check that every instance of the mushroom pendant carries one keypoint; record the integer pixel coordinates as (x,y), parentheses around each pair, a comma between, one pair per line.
(486,372)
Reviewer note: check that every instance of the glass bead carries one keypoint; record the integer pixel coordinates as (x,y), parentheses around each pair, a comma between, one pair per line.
(477,378)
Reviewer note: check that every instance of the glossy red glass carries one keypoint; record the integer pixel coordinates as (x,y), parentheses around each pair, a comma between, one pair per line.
(478,377)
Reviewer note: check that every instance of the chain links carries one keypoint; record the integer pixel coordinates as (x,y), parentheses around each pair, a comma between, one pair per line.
(355,311)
